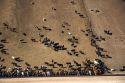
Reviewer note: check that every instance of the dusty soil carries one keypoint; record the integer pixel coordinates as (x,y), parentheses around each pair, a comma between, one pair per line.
(103,79)
(111,17)
(25,15)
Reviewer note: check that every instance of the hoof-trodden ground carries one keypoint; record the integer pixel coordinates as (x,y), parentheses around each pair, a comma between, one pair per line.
(24,24)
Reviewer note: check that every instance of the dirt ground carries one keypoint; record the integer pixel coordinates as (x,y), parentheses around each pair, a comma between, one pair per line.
(103,79)
(111,17)
(25,15)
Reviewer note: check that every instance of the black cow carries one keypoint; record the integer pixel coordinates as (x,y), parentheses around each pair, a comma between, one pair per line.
(18,59)
(60,65)
(27,64)
(4,41)
(15,64)
(1,46)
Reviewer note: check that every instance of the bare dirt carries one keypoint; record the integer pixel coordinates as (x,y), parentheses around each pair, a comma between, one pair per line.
(103,79)
(25,15)
(111,17)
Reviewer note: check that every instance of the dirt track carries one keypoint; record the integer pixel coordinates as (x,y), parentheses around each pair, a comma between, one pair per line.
(24,15)
(102,79)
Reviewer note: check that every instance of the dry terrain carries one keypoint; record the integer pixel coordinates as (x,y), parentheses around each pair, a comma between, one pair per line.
(102,79)
(28,17)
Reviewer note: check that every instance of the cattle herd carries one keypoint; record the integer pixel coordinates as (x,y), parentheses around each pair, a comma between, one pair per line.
(96,67)
(88,67)
(54,68)
(53,44)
